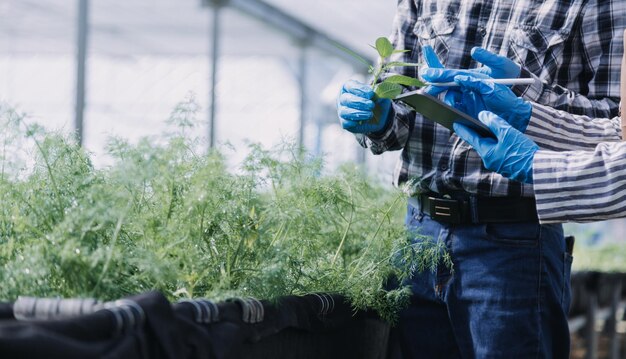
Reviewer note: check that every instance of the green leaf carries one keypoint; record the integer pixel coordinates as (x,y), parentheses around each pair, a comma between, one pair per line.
(401,64)
(404,80)
(400,51)
(388,90)
(384,47)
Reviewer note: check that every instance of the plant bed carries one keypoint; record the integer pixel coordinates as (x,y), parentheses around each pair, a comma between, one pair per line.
(340,333)
(148,326)
(164,216)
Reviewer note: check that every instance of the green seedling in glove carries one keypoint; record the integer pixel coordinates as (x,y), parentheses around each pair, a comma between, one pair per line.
(365,108)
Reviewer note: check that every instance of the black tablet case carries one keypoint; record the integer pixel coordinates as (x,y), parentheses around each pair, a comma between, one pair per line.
(435,110)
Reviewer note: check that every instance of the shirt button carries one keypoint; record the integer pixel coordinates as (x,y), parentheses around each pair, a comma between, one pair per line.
(443,167)
(482,32)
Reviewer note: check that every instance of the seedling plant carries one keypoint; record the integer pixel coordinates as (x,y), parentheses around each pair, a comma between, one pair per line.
(384,83)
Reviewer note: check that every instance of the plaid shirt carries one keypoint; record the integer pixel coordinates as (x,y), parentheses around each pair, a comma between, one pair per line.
(573,46)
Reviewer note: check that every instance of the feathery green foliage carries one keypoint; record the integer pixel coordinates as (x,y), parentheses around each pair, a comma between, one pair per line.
(165,217)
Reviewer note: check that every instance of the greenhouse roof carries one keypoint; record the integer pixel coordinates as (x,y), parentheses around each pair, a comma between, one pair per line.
(170,28)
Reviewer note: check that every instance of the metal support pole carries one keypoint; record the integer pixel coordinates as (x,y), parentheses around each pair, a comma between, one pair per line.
(362,153)
(215,36)
(81,56)
(361,156)
(591,337)
(288,24)
(616,296)
(319,137)
(302,84)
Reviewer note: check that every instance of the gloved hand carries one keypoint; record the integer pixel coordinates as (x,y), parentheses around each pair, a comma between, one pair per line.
(494,66)
(479,94)
(430,57)
(454,96)
(511,155)
(496,98)
(356,108)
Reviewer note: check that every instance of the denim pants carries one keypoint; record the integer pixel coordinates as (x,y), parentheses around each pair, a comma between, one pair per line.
(507,295)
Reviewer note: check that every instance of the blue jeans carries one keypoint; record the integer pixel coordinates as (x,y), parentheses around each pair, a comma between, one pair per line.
(507,296)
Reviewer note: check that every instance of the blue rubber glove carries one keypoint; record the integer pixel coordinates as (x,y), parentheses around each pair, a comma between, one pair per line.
(496,98)
(357,112)
(494,66)
(456,97)
(511,155)
(479,94)
(433,62)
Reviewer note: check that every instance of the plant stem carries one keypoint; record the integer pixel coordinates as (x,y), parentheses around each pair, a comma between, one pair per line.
(378,71)
(279,232)
(50,174)
(237,251)
(380,224)
(345,233)
(170,209)
(116,233)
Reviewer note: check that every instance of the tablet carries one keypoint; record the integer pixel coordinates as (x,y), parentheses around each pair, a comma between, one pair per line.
(435,110)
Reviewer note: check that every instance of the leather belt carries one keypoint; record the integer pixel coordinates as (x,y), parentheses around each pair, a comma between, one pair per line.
(476,209)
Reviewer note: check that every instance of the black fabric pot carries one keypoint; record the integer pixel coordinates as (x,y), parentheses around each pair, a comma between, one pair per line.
(147,330)
(313,334)
(148,326)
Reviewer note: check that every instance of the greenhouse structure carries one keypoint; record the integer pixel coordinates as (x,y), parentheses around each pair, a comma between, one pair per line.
(176,183)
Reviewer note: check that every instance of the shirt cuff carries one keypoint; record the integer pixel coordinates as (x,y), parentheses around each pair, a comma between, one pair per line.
(547,167)
(532,121)
(386,130)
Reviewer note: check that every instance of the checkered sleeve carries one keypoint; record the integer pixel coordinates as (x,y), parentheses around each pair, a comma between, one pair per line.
(600,49)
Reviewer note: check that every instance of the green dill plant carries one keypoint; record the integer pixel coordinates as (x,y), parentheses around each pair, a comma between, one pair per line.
(166,216)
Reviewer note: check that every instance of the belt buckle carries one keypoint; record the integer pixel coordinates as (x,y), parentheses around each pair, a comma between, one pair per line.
(445,210)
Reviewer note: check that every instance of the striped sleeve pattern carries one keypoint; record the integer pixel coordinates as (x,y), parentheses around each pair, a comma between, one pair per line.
(561,131)
(581,186)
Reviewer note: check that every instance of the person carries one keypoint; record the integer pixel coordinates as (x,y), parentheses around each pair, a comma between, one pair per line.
(583,180)
(570,186)
(507,294)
